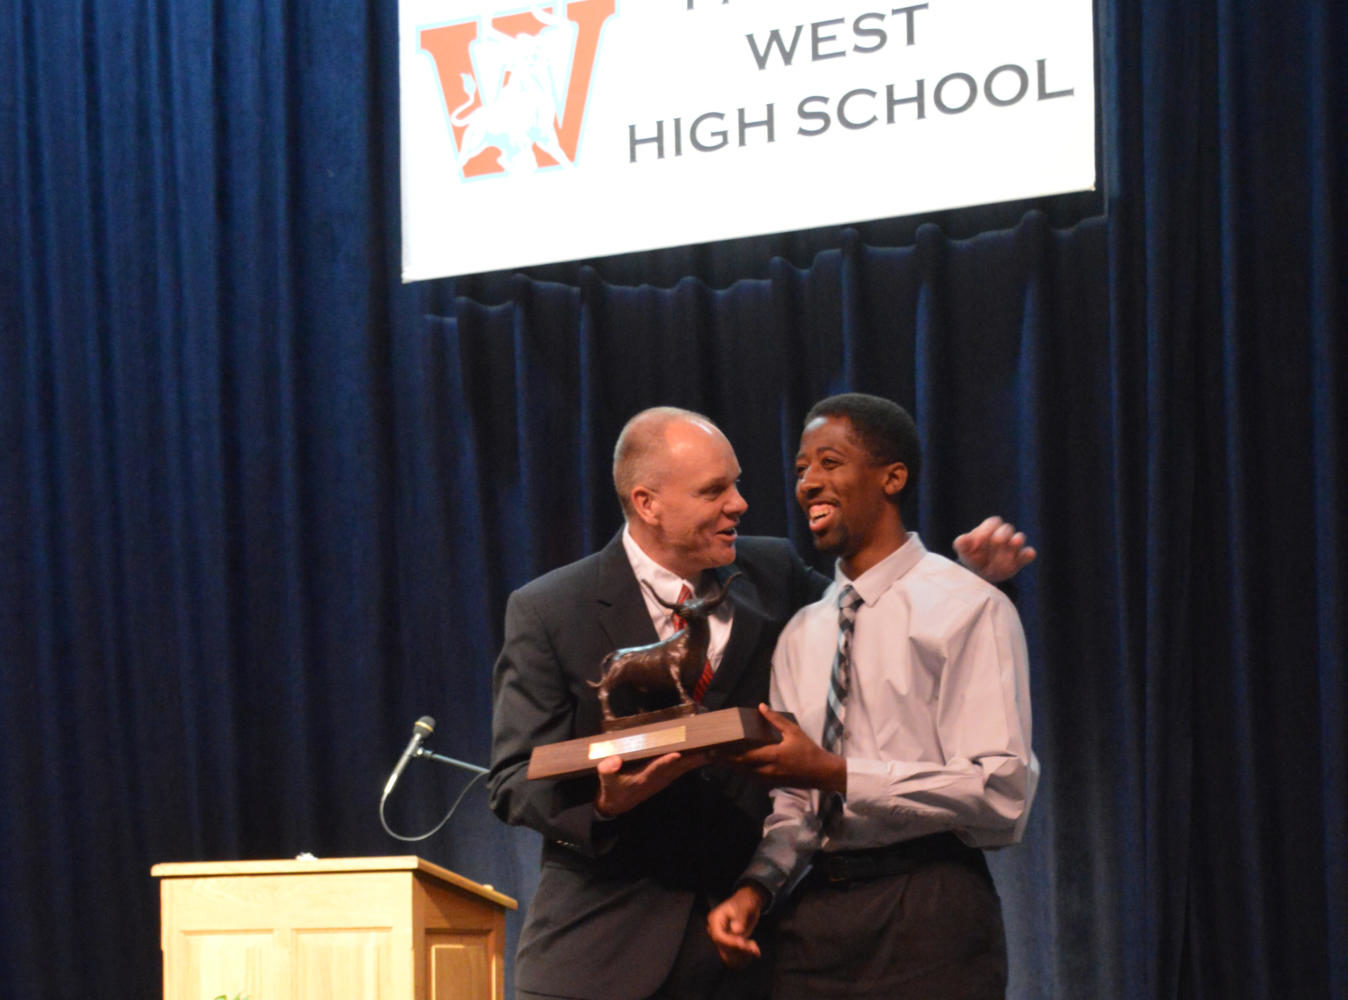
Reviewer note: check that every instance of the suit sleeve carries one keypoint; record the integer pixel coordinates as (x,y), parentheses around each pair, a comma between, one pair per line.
(533,706)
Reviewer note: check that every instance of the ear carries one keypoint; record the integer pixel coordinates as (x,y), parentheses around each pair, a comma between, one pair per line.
(646,505)
(895,478)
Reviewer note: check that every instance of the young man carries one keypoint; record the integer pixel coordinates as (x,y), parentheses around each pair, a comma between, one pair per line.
(630,857)
(911,674)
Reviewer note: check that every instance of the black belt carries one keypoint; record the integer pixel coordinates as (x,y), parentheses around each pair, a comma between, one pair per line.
(841,867)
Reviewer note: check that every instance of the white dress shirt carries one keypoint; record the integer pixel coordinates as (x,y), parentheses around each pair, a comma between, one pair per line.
(654,577)
(937,722)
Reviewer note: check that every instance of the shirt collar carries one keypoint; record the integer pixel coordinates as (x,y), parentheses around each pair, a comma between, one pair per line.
(884,574)
(650,573)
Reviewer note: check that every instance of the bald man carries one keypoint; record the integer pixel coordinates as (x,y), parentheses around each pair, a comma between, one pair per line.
(632,857)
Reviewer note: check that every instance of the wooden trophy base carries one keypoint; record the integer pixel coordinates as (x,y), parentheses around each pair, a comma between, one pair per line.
(729,729)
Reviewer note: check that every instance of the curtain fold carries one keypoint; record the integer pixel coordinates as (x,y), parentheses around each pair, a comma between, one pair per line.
(261,505)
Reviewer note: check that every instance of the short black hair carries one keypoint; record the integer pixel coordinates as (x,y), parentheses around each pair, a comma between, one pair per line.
(883,428)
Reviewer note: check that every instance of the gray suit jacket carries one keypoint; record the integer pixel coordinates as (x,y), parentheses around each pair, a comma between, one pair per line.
(614,897)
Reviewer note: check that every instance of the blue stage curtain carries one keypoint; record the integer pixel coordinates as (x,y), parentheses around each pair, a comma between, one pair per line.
(261,505)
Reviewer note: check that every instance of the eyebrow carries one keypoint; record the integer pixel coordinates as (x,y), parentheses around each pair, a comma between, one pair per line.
(823,449)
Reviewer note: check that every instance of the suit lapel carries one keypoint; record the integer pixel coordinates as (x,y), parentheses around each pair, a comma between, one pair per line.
(621,609)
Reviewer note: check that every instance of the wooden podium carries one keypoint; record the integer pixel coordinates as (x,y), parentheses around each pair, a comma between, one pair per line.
(360,928)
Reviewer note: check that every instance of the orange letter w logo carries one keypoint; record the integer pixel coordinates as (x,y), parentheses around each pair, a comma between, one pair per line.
(515,87)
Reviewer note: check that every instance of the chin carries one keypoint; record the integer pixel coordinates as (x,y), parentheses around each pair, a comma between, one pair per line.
(827,544)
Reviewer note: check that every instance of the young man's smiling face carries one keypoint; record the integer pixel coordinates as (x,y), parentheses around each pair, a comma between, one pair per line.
(849,499)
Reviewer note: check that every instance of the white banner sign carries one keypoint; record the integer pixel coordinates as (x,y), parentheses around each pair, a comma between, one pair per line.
(544,132)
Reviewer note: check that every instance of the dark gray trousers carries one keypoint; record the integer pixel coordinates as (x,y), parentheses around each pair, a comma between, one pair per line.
(934,933)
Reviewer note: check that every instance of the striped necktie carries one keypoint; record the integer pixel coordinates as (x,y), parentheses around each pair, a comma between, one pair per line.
(700,688)
(836,709)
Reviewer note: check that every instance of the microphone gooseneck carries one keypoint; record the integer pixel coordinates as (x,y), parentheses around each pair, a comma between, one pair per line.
(421,730)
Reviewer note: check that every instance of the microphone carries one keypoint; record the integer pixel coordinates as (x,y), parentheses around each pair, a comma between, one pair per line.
(421,730)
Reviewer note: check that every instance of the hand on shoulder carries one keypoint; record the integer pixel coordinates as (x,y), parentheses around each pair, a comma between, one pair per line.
(994,550)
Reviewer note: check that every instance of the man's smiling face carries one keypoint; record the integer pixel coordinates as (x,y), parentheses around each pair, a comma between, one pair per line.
(694,506)
(844,492)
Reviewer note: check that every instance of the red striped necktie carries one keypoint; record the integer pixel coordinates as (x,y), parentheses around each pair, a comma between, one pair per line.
(700,688)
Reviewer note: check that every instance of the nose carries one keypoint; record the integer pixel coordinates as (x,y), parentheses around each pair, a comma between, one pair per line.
(805,482)
(736,505)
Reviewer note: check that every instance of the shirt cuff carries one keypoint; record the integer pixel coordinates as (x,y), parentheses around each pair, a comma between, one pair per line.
(867,781)
(767,876)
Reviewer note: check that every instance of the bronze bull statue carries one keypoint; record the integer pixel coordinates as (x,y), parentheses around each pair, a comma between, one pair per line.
(672,665)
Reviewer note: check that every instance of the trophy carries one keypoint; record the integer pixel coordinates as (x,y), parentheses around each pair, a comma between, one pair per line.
(669,667)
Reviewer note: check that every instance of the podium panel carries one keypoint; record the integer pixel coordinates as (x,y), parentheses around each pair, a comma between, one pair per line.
(391,928)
